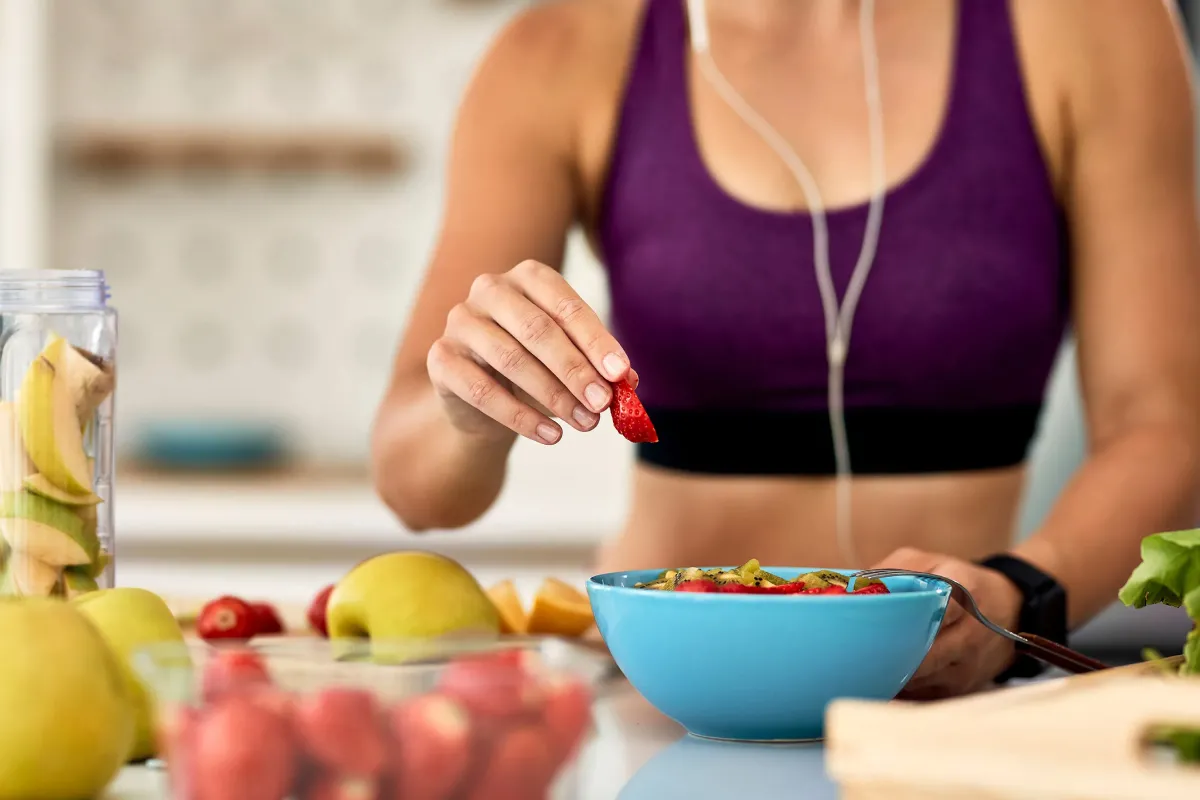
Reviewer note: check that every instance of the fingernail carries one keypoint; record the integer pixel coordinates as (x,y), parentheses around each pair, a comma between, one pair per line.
(548,433)
(634,380)
(614,365)
(584,417)
(596,396)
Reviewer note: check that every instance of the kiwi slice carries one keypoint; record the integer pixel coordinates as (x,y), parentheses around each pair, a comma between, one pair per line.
(832,578)
(773,578)
(862,583)
(750,567)
(728,576)
(659,585)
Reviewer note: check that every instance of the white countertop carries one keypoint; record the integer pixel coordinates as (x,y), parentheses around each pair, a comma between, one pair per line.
(545,504)
(637,754)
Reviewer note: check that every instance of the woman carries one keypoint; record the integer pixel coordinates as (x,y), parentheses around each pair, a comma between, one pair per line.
(1039,171)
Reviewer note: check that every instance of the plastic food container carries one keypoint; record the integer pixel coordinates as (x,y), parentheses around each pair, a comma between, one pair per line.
(58,342)
(312,719)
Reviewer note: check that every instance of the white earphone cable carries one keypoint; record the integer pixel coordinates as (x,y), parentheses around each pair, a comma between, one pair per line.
(839,318)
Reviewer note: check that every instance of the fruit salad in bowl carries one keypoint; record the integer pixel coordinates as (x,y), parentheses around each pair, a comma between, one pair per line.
(354,720)
(755,653)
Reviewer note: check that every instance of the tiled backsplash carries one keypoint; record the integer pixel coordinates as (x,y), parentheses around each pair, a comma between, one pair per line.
(277,296)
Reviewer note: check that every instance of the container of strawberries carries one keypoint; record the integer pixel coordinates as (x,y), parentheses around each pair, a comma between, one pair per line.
(357,720)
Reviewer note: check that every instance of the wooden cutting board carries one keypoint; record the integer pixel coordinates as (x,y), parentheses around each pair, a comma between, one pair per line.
(1079,738)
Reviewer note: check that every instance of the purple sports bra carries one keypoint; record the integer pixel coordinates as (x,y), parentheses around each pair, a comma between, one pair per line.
(718,307)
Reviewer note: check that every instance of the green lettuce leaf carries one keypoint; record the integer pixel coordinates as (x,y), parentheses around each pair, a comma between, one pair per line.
(1169,573)
(1191,653)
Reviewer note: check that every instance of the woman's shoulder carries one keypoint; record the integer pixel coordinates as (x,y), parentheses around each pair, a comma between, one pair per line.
(563,43)
(1102,47)
(1089,62)
(553,77)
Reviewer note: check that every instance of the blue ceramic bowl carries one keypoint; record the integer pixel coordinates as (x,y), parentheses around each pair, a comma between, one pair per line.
(762,667)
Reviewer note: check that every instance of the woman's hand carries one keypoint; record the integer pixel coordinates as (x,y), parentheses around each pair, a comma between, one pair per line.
(966,656)
(523,348)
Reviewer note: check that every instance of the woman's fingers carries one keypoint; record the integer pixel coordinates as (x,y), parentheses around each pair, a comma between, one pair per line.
(503,353)
(523,348)
(547,289)
(453,371)
(540,335)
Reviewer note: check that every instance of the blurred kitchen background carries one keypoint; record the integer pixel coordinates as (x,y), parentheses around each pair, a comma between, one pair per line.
(261,182)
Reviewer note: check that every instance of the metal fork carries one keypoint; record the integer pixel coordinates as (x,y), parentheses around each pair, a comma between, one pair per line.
(1040,648)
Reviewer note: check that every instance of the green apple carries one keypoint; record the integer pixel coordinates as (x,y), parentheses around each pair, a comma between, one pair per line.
(409,595)
(90,380)
(100,562)
(14,462)
(47,416)
(131,619)
(46,530)
(79,581)
(99,565)
(67,723)
(25,576)
(40,485)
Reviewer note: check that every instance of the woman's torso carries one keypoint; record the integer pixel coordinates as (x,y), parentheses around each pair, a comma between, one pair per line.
(695,228)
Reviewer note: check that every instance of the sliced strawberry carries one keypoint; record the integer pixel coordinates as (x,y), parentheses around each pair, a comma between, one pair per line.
(872,588)
(339,729)
(267,619)
(629,415)
(493,684)
(233,670)
(785,588)
(834,589)
(567,716)
(226,618)
(737,588)
(432,747)
(242,750)
(519,767)
(698,585)
(316,611)
(177,737)
(336,787)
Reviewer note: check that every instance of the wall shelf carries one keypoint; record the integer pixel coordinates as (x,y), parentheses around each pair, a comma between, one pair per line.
(114,150)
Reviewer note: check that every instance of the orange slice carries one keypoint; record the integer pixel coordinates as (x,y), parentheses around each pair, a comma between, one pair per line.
(560,609)
(504,597)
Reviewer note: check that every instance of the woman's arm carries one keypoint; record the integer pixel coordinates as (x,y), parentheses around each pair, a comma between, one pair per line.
(1131,199)
(510,196)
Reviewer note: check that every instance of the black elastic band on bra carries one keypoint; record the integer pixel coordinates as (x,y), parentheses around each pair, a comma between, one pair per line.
(882,441)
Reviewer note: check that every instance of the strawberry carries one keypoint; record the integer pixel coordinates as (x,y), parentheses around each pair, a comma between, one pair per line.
(267,619)
(520,767)
(834,589)
(339,729)
(233,670)
(316,611)
(432,747)
(493,684)
(698,585)
(873,588)
(567,716)
(737,588)
(334,787)
(242,751)
(629,415)
(176,737)
(786,588)
(226,618)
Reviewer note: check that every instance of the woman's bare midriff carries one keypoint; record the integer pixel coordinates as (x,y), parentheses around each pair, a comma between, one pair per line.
(681,519)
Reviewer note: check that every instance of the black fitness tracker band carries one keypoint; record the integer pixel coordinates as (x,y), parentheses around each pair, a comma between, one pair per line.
(1043,609)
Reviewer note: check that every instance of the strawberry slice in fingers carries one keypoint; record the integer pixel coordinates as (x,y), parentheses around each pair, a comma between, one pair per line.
(629,415)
